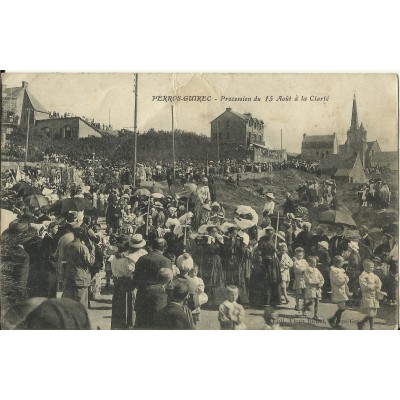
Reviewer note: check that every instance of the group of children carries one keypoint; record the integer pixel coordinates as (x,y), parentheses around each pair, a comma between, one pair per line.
(307,285)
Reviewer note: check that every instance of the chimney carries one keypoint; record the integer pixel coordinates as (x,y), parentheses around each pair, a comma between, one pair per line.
(304,135)
(24,84)
(229,109)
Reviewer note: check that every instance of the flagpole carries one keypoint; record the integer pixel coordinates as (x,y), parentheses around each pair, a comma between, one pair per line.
(27,137)
(173,139)
(185,229)
(276,233)
(135,130)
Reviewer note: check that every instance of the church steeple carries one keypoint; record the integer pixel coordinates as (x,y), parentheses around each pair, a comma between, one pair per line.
(354,116)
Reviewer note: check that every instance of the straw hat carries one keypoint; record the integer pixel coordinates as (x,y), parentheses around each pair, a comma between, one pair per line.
(324,245)
(270,195)
(136,241)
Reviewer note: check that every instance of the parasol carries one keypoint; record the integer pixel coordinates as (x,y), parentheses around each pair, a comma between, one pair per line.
(157,195)
(192,187)
(247,212)
(76,204)
(36,200)
(6,217)
(28,190)
(142,192)
(155,189)
(243,223)
(337,218)
(226,225)
(149,184)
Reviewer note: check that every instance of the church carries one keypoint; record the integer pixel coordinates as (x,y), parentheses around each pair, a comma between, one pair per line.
(324,148)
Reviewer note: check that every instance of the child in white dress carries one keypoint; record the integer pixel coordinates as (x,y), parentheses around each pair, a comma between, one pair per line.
(203,298)
(285,263)
(230,313)
(314,282)
(370,285)
(299,266)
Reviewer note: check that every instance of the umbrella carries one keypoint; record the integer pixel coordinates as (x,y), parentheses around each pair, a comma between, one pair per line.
(157,195)
(142,192)
(149,184)
(6,217)
(28,190)
(190,186)
(36,200)
(155,189)
(226,225)
(203,228)
(18,186)
(337,218)
(243,211)
(243,223)
(56,207)
(76,204)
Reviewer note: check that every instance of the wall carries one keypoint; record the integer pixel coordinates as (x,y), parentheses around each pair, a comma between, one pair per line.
(234,134)
(57,126)
(86,130)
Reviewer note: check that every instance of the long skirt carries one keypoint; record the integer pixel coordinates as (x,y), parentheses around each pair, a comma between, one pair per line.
(122,304)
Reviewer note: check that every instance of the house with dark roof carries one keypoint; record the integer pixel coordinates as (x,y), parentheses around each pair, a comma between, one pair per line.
(317,147)
(351,170)
(19,108)
(232,132)
(67,127)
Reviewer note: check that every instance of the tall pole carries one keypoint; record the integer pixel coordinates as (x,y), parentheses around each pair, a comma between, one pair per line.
(27,138)
(109,117)
(135,130)
(173,139)
(218,142)
(281,147)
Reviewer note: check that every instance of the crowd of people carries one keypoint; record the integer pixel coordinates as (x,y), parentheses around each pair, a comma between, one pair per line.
(167,254)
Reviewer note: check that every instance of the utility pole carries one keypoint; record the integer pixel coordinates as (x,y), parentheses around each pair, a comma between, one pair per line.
(173,139)
(27,137)
(135,130)
(218,142)
(109,117)
(281,147)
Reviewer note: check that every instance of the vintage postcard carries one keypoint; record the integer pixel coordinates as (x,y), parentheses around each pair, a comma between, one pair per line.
(201,201)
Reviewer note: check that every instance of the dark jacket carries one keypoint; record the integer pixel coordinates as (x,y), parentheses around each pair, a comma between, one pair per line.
(147,267)
(173,317)
(155,298)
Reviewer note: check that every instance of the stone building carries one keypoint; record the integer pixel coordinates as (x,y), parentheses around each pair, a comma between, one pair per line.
(69,127)
(19,107)
(235,134)
(315,147)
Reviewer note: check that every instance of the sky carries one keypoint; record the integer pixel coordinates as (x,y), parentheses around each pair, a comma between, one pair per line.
(94,95)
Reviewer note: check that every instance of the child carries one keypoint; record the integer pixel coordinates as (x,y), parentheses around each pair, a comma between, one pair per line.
(203,298)
(314,282)
(340,290)
(299,266)
(370,286)
(270,319)
(231,314)
(285,263)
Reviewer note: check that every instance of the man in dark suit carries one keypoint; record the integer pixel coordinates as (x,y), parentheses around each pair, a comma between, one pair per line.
(176,316)
(146,273)
(155,298)
(366,240)
(338,243)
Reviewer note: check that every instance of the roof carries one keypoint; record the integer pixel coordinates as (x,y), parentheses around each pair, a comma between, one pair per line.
(343,171)
(318,138)
(12,92)
(245,117)
(35,103)
(385,156)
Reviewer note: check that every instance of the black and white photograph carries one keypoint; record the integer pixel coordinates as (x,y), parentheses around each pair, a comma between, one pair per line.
(199,201)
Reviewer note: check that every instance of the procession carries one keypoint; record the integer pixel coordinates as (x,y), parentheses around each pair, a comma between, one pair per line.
(245,238)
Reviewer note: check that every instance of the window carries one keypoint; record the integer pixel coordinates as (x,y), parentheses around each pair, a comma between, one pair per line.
(228,123)
(46,131)
(67,131)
